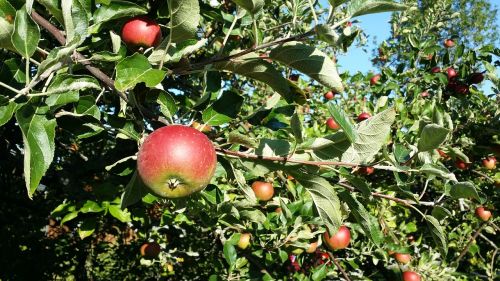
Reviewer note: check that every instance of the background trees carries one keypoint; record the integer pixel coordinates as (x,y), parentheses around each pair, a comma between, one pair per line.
(75,107)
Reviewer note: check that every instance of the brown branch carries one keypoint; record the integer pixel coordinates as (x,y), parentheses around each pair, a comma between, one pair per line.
(339,267)
(473,237)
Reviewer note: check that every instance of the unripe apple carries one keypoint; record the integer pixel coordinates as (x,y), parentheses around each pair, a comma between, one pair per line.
(312,247)
(363,116)
(263,190)
(435,69)
(176,161)
(338,241)
(490,163)
(402,258)
(329,95)
(375,78)
(476,78)
(244,241)
(459,163)
(448,43)
(150,250)
(332,125)
(483,213)
(451,72)
(411,276)
(141,31)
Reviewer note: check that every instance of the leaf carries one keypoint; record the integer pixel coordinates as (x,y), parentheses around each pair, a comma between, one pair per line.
(223,110)
(431,137)
(118,213)
(38,138)
(54,9)
(438,235)
(134,191)
(272,148)
(251,6)
(136,69)
(55,60)
(91,207)
(64,88)
(68,217)
(26,34)
(464,190)
(440,213)
(176,50)
(296,125)
(6,112)
(319,272)
(229,253)
(184,19)
(115,10)
(235,137)
(336,3)
(367,221)
(87,228)
(75,20)
(167,104)
(343,120)
(6,26)
(438,170)
(363,7)
(310,61)
(325,199)
(254,215)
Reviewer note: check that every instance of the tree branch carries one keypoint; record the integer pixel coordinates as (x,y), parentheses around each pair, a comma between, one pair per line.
(339,267)
(473,237)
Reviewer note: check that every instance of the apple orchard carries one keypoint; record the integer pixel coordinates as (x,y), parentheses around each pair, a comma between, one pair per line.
(217,140)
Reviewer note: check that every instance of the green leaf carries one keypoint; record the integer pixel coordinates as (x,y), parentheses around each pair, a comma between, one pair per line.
(438,235)
(438,170)
(184,19)
(38,138)
(343,120)
(167,104)
(134,191)
(26,34)
(319,273)
(325,199)
(252,6)
(464,190)
(87,228)
(432,137)
(54,8)
(254,216)
(440,213)
(363,7)
(176,50)
(68,217)
(336,3)
(64,89)
(6,26)
(115,10)
(91,207)
(75,20)
(118,213)
(296,125)
(223,110)
(235,137)
(58,57)
(6,112)
(310,61)
(367,221)
(136,69)
(229,253)
(273,148)
(87,106)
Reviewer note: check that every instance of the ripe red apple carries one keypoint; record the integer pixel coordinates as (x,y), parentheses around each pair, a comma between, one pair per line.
(244,240)
(451,72)
(332,125)
(312,247)
(402,258)
(490,163)
(150,250)
(375,78)
(141,31)
(448,43)
(476,78)
(176,161)
(442,154)
(338,241)
(483,213)
(363,116)
(435,69)
(411,276)
(459,163)
(367,170)
(263,190)
(329,95)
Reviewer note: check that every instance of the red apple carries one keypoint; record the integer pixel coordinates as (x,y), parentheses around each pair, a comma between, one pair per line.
(442,154)
(435,69)
(402,258)
(411,276)
(459,163)
(448,43)
(451,72)
(367,170)
(375,79)
(483,213)
(338,241)
(150,250)
(141,31)
(176,161)
(363,116)
(244,240)
(263,190)
(476,78)
(424,94)
(329,95)
(490,163)
(462,89)
(332,125)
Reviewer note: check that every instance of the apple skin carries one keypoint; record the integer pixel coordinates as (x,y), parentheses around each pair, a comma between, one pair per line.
(244,241)
(367,170)
(402,258)
(332,125)
(363,116)
(435,69)
(176,161)
(141,31)
(263,190)
(411,276)
(424,94)
(448,43)
(375,79)
(483,213)
(150,250)
(329,95)
(451,72)
(312,247)
(476,78)
(338,241)
(460,164)
(490,163)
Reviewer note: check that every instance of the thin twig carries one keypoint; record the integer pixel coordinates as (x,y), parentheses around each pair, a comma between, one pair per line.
(483,175)
(339,267)
(473,237)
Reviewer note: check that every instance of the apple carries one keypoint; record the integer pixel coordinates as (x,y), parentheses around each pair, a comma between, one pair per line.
(448,43)
(476,78)
(451,72)
(312,247)
(424,94)
(375,78)
(141,31)
(244,240)
(490,163)
(278,210)
(367,170)
(435,69)
(442,154)
(363,116)
(176,161)
(201,127)
(332,125)
(402,258)
(411,276)
(483,213)
(460,164)
(329,95)
(462,89)
(338,241)
(150,250)
(263,190)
